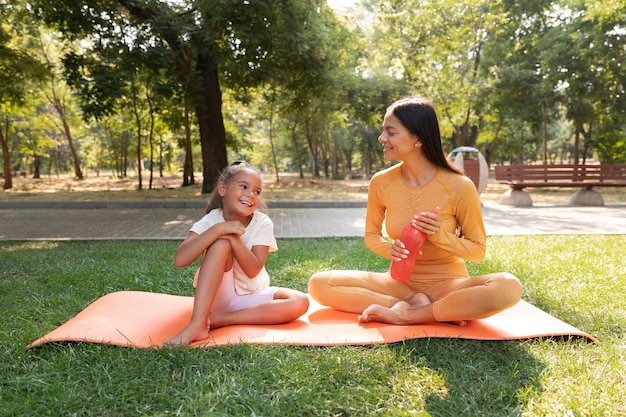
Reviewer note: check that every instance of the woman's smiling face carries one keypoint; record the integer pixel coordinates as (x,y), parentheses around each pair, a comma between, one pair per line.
(396,139)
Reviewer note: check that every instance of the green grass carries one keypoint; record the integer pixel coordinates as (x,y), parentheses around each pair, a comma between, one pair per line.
(579,279)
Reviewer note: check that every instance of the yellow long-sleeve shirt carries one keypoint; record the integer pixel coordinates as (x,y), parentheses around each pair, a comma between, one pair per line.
(392,203)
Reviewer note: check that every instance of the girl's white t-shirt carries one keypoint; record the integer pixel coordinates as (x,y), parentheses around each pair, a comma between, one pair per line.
(260,231)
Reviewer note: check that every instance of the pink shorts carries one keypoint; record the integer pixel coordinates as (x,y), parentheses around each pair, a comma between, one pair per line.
(227,298)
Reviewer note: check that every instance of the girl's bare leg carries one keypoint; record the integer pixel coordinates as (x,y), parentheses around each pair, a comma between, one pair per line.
(286,306)
(217,259)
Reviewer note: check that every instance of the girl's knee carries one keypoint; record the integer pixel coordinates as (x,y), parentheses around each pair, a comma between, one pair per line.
(296,302)
(301,304)
(220,251)
(220,245)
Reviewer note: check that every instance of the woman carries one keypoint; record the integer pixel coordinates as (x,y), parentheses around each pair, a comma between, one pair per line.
(437,199)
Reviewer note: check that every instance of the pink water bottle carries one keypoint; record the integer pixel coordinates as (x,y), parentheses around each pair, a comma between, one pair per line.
(413,240)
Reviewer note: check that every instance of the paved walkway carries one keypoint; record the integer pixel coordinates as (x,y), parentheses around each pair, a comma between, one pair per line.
(172,220)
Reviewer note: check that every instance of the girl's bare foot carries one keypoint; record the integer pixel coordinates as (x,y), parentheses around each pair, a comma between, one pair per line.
(191,333)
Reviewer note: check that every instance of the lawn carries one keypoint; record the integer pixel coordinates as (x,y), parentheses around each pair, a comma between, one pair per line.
(579,279)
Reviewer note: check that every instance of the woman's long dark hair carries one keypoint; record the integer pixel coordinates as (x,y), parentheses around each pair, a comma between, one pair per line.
(418,115)
(226,176)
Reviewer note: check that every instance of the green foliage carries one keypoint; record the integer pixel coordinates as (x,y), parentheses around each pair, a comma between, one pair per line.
(515,79)
(574,277)
(18,69)
(511,64)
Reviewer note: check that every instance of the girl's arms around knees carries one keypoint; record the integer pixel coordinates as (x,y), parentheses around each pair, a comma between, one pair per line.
(251,261)
(195,244)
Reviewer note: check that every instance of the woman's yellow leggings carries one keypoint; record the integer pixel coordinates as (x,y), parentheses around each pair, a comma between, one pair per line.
(453,299)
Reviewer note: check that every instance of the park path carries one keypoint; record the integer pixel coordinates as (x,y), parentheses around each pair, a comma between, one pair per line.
(172,220)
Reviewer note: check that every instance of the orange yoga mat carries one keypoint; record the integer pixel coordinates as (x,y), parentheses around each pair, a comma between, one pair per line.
(144,320)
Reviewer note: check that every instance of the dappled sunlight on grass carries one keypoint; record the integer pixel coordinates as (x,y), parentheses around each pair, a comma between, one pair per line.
(27,245)
(576,278)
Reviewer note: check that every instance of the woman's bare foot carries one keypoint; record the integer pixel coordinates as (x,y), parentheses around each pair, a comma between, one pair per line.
(191,333)
(420,299)
(413,310)
(397,314)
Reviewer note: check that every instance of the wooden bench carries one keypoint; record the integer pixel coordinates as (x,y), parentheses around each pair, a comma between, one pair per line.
(518,177)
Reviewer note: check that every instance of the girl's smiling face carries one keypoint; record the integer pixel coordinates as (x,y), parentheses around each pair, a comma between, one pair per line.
(396,139)
(242,195)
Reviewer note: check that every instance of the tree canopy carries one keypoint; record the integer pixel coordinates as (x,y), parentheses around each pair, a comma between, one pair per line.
(296,86)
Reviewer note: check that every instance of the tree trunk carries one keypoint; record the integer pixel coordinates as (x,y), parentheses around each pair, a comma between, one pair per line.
(36,167)
(78,173)
(188,174)
(125,145)
(161,161)
(272,140)
(545,135)
(150,134)
(576,143)
(151,146)
(138,121)
(57,167)
(312,149)
(209,109)
(211,124)
(296,148)
(6,156)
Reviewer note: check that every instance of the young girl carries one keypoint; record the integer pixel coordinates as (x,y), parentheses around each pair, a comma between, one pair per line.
(234,239)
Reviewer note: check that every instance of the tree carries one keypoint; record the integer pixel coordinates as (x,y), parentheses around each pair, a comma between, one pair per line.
(583,53)
(440,45)
(17,70)
(236,43)
(519,98)
(56,92)
(313,96)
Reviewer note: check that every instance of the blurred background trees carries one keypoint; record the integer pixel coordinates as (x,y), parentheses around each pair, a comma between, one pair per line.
(146,88)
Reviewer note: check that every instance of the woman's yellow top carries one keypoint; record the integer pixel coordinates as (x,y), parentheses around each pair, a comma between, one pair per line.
(391,204)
